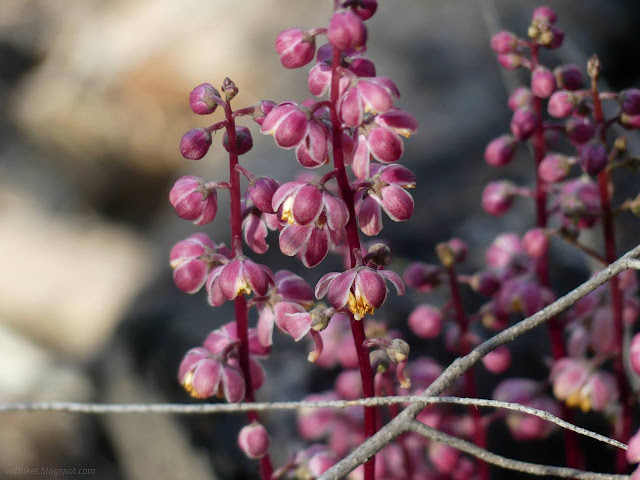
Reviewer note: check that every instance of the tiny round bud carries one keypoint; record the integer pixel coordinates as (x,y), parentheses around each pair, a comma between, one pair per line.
(459,249)
(510,61)
(261,192)
(229,88)
(554,167)
(195,144)
(568,77)
(244,140)
(193,200)
(561,104)
(295,48)
(579,130)
(543,82)
(485,283)
(426,321)
(556,38)
(630,101)
(500,151)
(521,97)
(593,157)
(497,197)
(422,276)
(347,31)
(504,42)
(254,440)
(545,13)
(379,253)
(203,99)
(535,243)
(523,123)
(498,360)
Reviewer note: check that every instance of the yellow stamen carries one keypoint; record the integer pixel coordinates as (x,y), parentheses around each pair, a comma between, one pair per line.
(287,211)
(359,306)
(243,289)
(187,383)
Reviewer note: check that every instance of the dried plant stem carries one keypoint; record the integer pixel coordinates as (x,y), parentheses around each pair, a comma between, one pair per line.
(353,240)
(500,461)
(242,315)
(399,425)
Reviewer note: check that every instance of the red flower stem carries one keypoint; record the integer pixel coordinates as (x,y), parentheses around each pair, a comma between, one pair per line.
(242,315)
(555,329)
(353,239)
(614,285)
(471,391)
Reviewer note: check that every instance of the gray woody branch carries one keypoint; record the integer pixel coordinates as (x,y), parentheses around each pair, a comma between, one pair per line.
(405,419)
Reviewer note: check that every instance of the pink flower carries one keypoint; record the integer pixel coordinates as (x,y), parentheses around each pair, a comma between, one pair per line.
(288,123)
(347,31)
(204,99)
(498,360)
(562,104)
(256,226)
(295,47)
(498,196)
(500,151)
(360,289)
(193,258)
(593,157)
(195,143)
(543,83)
(338,346)
(504,42)
(424,277)
(521,97)
(633,453)
(579,202)
(380,140)
(366,95)
(254,440)
(194,200)
(385,190)
(292,294)
(313,150)
(240,276)
(523,123)
(244,140)
(554,167)
(204,375)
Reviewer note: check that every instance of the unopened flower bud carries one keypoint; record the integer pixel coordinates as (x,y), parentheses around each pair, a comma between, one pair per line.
(568,77)
(254,440)
(193,200)
(500,151)
(244,140)
(498,196)
(546,13)
(195,144)
(536,242)
(378,253)
(630,101)
(561,104)
(510,61)
(504,42)
(398,351)
(579,130)
(426,321)
(498,360)
(204,99)
(593,157)
(347,31)
(295,48)
(422,276)
(521,97)
(485,283)
(554,168)
(543,82)
(229,88)
(261,192)
(553,38)
(523,123)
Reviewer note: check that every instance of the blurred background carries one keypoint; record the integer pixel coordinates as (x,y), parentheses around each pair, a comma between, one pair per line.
(94,101)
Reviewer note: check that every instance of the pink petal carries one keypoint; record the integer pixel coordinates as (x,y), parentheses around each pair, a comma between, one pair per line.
(283,192)
(369,216)
(361,158)
(206,378)
(255,232)
(190,276)
(340,288)
(350,108)
(231,279)
(403,123)
(336,210)
(282,310)
(191,358)
(298,324)
(233,384)
(386,146)
(276,116)
(307,204)
(323,284)
(257,278)
(214,294)
(397,203)
(293,238)
(266,319)
(398,175)
(316,248)
(395,279)
(376,98)
(370,285)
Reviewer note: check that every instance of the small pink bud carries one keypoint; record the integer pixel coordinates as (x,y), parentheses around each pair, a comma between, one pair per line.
(510,61)
(557,37)
(261,192)
(193,200)
(500,151)
(536,243)
(545,13)
(543,82)
(504,42)
(365,8)
(426,321)
(498,196)
(200,373)
(580,201)
(521,97)
(485,283)
(633,452)
(568,77)
(561,104)
(321,462)
(254,440)
(204,99)
(498,360)
(504,249)
(634,353)
(288,124)
(189,269)
(243,140)
(347,31)
(554,168)
(593,157)
(229,88)
(579,130)
(362,67)
(458,248)
(422,276)
(295,48)
(195,144)
(523,123)
(630,101)
(319,79)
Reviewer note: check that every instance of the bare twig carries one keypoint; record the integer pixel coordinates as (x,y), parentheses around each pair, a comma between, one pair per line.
(399,424)
(212,408)
(500,461)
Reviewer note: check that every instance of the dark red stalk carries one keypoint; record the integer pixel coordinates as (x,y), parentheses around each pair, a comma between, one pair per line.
(353,240)
(471,391)
(242,316)
(556,334)
(614,286)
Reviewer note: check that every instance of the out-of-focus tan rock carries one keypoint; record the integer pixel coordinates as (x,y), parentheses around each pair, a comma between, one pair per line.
(65,281)
(116,75)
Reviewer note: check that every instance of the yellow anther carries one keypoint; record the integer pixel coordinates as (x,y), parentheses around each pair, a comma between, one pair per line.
(287,211)
(359,306)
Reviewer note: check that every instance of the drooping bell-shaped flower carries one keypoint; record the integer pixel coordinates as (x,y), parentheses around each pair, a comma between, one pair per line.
(192,260)
(240,276)
(295,47)
(193,199)
(366,95)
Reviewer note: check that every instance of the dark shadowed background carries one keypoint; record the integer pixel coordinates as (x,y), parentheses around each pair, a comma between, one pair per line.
(93,102)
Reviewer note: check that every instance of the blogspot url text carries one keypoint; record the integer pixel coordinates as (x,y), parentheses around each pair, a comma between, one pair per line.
(50,471)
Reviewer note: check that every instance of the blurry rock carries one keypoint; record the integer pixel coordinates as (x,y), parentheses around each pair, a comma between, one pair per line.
(66,281)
